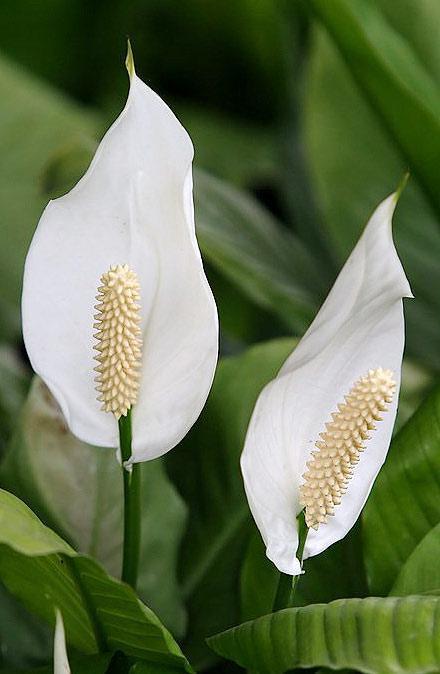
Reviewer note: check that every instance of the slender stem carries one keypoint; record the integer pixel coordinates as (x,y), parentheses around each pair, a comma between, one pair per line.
(287,585)
(132,506)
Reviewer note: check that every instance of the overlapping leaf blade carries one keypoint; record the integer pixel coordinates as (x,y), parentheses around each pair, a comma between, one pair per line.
(394,80)
(100,613)
(405,502)
(386,635)
(421,571)
(354,164)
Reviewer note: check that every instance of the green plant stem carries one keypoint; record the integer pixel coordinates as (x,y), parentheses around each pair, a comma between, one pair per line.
(287,585)
(132,506)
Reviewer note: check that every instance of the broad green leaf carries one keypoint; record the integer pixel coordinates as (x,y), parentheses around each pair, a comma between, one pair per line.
(206,470)
(390,636)
(394,80)
(77,490)
(252,249)
(354,165)
(421,572)
(25,640)
(405,501)
(100,613)
(23,531)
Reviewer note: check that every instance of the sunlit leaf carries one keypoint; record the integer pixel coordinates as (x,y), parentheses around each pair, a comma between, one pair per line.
(100,613)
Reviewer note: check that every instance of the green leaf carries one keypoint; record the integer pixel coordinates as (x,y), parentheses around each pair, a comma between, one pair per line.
(77,490)
(79,664)
(23,531)
(354,165)
(99,612)
(405,502)
(421,571)
(206,471)
(390,636)
(393,79)
(250,248)
(25,640)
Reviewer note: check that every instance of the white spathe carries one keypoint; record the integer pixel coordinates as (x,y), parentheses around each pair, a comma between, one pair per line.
(60,660)
(359,327)
(134,205)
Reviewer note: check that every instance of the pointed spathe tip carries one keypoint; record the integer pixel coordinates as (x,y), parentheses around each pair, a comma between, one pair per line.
(129,60)
(401,186)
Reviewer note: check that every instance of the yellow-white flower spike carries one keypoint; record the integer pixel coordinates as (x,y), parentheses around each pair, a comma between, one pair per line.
(119,344)
(341,444)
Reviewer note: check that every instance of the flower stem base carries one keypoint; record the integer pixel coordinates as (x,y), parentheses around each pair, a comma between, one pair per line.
(287,585)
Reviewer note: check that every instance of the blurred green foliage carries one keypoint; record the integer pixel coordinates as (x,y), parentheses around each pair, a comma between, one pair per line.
(303,116)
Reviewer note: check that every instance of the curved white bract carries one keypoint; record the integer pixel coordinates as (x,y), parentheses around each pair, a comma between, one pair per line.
(359,328)
(133,206)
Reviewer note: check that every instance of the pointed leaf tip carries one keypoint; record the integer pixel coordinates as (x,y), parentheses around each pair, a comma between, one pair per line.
(129,60)
(401,186)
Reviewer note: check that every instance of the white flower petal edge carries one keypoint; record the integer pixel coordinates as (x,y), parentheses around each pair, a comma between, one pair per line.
(359,327)
(134,205)
(60,661)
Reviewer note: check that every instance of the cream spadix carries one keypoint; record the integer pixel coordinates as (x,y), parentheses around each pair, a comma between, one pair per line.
(134,207)
(311,440)
(119,344)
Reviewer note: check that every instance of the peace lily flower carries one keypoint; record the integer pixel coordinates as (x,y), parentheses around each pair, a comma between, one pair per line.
(125,235)
(331,406)
(60,661)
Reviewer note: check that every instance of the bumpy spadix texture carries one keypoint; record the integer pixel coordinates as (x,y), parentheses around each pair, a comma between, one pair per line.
(119,344)
(339,449)
(135,206)
(359,328)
